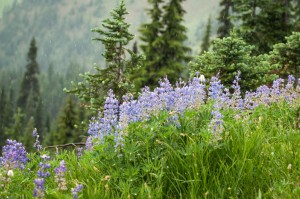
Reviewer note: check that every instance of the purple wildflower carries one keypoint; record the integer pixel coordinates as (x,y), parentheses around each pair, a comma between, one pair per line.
(60,176)
(76,190)
(36,144)
(89,143)
(215,89)
(42,173)
(79,151)
(14,155)
(39,190)
(236,99)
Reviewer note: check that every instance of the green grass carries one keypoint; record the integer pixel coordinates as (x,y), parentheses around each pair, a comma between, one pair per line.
(160,160)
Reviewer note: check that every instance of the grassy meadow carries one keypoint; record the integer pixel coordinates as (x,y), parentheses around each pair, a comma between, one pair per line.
(255,156)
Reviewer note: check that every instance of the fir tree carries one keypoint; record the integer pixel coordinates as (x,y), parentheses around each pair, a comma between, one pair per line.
(206,39)
(285,56)
(28,139)
(16,131)
(173,37)
(135,48)
(296,17)
(114,36)
(152,47)
(225,24)
(264,23)
(67,121)
(30,82)
(2,116)
(230,55)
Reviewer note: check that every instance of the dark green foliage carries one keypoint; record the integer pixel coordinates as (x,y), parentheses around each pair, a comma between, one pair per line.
(230,55)
(175,52)
(116,75)
(206,39)
(28,140)
(225,24)
(152,47)
(265,22)
(164,37)
(3,116)
(296,15)
(30,83)
(285,56)
(6,114)
(66,127)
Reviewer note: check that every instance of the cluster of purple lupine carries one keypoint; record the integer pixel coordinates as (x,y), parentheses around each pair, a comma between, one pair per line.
(14,155)
(43,173)
(60,176)
(179,98)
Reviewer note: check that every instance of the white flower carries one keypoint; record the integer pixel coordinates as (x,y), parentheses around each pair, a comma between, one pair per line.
(289,167)
(202,78)
(10,173)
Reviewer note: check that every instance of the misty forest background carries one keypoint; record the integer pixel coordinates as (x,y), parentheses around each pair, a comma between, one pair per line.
(45,45)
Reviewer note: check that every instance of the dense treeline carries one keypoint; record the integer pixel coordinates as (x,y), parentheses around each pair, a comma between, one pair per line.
(257,38)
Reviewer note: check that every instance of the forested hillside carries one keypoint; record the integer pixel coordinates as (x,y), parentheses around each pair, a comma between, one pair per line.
(62,29)
(104,99)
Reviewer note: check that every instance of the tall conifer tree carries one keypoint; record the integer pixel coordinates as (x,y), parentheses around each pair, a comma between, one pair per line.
(152,47)
(264,22)
(173,37)
(225,24)
(67,121)
(206,39)
(116,76)
(297,15)
(30,83)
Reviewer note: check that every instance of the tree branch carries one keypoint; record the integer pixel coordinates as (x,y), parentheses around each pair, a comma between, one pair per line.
(66,145)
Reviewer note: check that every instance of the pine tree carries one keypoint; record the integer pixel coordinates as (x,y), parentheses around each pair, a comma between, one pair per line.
(66,131)
(264,23)
(30,82)
(206,39)
(230,55)
(296,17)
(135,48)
(2,116)
(285,56)
(16,131)
(114,36)
(225,24)
(173,37)
(152,47)
(6,114)
(28,139)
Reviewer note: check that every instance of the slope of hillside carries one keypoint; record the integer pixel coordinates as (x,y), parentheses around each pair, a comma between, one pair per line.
(62,29)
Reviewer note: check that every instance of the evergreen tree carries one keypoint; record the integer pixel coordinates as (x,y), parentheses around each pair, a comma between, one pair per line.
(230,55)
(285,56)
(28,139)
(135,48)
(6,114)
(264,23)
(173,37)
(3,103)
(67,121)
(296,15)
(114,36)
(225,24)
(16,131)
(206,39)
(30,82)
(152,47)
